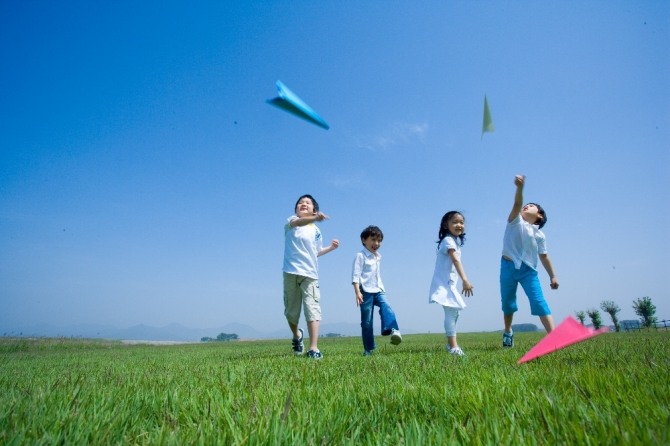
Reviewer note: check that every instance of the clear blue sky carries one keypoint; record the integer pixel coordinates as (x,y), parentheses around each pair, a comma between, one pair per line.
(144,180)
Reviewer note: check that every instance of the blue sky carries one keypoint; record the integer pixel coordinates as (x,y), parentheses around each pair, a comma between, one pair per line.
(144,180)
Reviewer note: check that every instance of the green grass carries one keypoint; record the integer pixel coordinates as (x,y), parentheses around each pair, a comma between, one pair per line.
(612,389)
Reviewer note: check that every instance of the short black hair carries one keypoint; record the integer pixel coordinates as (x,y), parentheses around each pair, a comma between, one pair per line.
(541,211)
(316,205)
(372,231)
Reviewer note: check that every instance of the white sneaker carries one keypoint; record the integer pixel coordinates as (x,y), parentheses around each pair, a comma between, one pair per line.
(396,337)
(456,351)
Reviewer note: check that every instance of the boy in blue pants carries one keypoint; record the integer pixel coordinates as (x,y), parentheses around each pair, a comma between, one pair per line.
(369,290)
(523,244)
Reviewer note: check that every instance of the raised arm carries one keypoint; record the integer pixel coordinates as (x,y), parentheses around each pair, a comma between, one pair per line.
(518,197)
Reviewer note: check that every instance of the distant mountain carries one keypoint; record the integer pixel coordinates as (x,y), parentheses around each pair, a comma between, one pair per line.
(174,331)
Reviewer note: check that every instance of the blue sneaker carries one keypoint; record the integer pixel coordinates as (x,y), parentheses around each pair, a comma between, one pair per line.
(508,339)
(298,346)
(314,354)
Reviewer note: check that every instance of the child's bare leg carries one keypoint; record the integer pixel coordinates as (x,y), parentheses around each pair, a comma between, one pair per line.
(451,340)
(313,329)
(508,322)
(294,330)
(548,322)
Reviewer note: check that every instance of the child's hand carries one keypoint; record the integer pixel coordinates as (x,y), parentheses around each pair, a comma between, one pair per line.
(320,216)
(554,283)
(359,299)
(467,288)
(334,244)
(519,180)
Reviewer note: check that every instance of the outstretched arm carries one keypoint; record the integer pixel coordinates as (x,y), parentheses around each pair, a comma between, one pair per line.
(546,262)
(302,221)
(518,197)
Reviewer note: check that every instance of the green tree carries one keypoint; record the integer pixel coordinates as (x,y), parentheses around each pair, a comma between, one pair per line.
(612,309)
(646,310)
(581,315)
(595,318)
(227,337)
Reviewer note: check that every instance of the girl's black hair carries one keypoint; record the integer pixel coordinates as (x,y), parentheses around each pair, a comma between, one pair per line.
(316,205)
(444,231)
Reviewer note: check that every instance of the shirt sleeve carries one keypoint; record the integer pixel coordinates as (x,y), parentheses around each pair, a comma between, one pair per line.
(357,268)
(446,244)
(541,242)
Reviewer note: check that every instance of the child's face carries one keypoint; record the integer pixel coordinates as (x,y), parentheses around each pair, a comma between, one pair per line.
(456,225)
(373,243)
(304,208)
(531,213)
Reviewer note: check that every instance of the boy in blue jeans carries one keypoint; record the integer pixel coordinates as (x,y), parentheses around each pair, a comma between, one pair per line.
(523,244)
(369,290)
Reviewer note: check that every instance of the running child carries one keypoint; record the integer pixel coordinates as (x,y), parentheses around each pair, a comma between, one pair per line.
(302,246)
(369,290)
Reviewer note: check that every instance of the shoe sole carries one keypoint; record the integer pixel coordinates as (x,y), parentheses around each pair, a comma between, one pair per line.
(396,339)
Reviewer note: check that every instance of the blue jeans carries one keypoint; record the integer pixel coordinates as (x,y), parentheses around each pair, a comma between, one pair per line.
(510,278)
(389,323)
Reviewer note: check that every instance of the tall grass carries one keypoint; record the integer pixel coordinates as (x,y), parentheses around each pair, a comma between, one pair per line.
(612,389)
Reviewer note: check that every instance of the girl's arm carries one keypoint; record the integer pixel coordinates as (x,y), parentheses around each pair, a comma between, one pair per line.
(456,260)
(518,198)
(546,262)
(333,245)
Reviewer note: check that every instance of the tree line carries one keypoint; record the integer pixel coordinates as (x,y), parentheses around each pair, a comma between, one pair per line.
(221,337)
(643,307)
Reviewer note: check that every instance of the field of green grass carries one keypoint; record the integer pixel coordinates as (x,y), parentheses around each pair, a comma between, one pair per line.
(612,389)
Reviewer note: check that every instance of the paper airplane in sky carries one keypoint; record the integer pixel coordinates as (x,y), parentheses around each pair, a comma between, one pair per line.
(287,100)
(487,125)
(567,333)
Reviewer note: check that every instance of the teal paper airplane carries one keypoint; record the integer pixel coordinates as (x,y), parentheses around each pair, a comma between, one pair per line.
(288,101)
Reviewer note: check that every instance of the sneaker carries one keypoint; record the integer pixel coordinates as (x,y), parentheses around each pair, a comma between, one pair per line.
(456,351)
(396,337)
(508,339)
(298,346)
(367,353)
(314,354)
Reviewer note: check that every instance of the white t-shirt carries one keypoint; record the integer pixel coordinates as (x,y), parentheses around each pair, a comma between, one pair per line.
(523,242)
(301,247)
(366,271)
(443,286)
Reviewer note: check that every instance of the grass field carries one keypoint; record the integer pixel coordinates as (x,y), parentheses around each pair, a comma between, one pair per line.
(612,389)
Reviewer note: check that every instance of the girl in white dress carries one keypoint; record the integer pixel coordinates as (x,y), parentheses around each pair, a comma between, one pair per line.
(448,268)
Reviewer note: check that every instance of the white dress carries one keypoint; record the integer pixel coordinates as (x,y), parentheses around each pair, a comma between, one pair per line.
(443,286)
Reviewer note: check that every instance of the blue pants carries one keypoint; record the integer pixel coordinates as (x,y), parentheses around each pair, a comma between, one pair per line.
(510,277)
(389,323)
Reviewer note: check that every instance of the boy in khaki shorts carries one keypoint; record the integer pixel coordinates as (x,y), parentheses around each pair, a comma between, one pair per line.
(303,245)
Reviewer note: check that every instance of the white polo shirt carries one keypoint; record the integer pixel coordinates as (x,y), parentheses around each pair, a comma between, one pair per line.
(301,248)
(523,242)
(366,271)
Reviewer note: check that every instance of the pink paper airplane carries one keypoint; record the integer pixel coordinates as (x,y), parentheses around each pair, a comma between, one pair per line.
(567,333)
